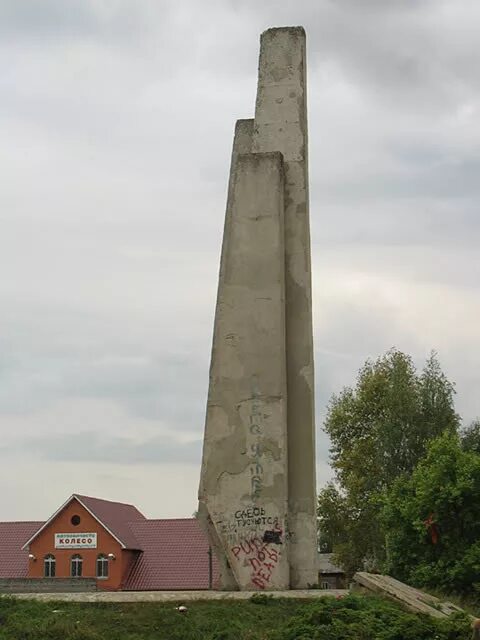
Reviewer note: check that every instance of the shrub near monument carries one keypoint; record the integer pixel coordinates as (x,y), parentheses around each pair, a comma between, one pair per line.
(261,618)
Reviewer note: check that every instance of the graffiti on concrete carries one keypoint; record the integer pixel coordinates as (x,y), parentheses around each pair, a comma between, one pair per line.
(260,558)
(256,448)
(253,517)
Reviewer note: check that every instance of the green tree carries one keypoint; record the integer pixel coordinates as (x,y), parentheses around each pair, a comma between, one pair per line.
(432,520)
(379,431)
(332,520)
(470,437)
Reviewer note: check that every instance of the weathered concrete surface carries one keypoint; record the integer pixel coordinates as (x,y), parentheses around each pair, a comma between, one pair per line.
(243,487)
(258,474)
(174,596)
(409,597)
(47,585)
(242,143)
(281,125)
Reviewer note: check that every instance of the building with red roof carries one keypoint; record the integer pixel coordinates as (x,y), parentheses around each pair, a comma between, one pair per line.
(175,555)
(112,542)
(14,559)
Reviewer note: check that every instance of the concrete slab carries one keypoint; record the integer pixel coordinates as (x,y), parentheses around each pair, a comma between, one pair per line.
(176,596)
(411,598)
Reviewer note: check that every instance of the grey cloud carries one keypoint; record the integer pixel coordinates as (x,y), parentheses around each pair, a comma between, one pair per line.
(54,19)
(377,7)
(456,179)
(91,447)
(151,385)
(49,16)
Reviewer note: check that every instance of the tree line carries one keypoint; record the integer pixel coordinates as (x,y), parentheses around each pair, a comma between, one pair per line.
(405,499)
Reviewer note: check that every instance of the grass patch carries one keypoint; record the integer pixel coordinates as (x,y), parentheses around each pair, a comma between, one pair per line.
(359,617)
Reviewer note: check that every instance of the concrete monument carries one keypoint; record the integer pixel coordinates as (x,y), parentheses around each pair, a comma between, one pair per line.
(257,486)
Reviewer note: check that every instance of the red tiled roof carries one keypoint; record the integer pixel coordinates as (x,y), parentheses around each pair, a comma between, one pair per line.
(13,535)
(175,556)
(175,552)
(116,516)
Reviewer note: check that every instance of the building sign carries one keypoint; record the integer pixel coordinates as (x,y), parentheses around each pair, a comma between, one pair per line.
(75,541)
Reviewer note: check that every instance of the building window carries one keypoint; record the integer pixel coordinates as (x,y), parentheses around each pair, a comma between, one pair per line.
(76,566)
(102,566)
(75,520)
(325,585)
(49,566)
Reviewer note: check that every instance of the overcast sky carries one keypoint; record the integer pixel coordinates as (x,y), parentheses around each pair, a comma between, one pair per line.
(116,121)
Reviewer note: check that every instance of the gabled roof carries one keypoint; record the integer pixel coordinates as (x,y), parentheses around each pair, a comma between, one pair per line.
(326,564)
(13,561)
(113,516)
(175,556)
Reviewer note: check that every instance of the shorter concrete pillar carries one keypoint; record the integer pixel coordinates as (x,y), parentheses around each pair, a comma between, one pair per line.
(243,489)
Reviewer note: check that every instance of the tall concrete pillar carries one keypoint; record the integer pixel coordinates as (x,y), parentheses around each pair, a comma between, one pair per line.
(281,125)
(257,489)
(243,488)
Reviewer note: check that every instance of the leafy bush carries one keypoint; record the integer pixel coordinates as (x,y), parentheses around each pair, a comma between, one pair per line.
(432,520)
(361,618)
(364,618)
